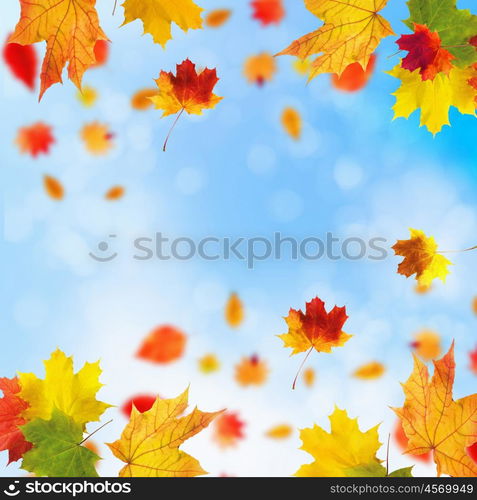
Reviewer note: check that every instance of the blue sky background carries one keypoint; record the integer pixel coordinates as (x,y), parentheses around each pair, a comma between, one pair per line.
(233,172)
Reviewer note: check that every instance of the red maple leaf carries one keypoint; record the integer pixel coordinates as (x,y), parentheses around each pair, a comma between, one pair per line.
(354,77)
(11,407)
(142,402)
(163,345)
(228,429)
(22,61)
(425,53)
(268,11)
(402,440)
(35,139)
(101,52)
(473,360)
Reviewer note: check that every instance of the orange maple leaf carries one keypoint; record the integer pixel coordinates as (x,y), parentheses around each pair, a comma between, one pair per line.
(11,408)
(315,329)
(163,345)
(53,188)
(268,11)
(70,29)
(251,371)
(187,91)
(433,421)
(35,139)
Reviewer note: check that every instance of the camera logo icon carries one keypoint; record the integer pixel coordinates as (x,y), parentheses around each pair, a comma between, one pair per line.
(12,490)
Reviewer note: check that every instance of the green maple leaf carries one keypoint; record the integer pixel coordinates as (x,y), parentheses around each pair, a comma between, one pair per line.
(377,470)
(56,448)
(455,26)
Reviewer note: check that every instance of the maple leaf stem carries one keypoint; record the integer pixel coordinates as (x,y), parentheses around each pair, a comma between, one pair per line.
(459,251)
(172,128)
(94,432)
(387,455)
(115,5)
(395,54)
(301,367)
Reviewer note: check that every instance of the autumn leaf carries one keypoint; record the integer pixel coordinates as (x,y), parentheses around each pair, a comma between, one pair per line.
(309,377)
(454,26)
(35,139)
(345,451)
(142,403)
(163,345)
(268,11)
(149,444)
(251,371)
(97,138)
(281,431)
(402,441)
(292,123)
(57,450)
(22,61)
(141,99)
(427,345)
(53,188)
(157,16)
(351,33)
(115,193)
(186,91)
(433,421)
(228,429)
(434,97)
(474,305)
(218,17)
(87,96)
(73,394)
(101,53)
(370,371)
(425,53)
(234,311)
(209,364)
(421,258)
(473,361)
(315,329)
(302,66)
(70,29)
(11,409)
(354,77)
(260,69)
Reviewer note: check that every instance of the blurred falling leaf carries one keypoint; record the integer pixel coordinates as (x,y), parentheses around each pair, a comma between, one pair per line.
(97,138)
(251,371)
(22,61)
(260,69)
(149,444)
(427,344)
(218,17)
(35,139)
(402,441)
(53,188)
(234,311)
(474,305)
(268,11)
(354,77)
(157,16)
(473,361)
(87,96)
(101,53)
(115,193)
(142,403)
(228,429)
(302,66)
(209,364)
(421,258)
(163,345)
(370,371)
(282,431)
(309,377)
(422,289)
(140,100)
(292,123)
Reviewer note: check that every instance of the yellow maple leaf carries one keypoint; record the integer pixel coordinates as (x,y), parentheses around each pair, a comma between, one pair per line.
(97,138)
(73,394)
(87,96)
(433,421)
(434,97)
(421,258)
(149,444)
(343,452)
(351,32)
(209,364)
(158,15)
(70,29)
